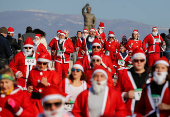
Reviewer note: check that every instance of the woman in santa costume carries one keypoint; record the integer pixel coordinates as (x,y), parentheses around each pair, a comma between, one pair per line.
(41,77)
(155,101)
(23,62)
(100,32)
(124,40)
(134,42)
(99,100)
(75,83)
(97,60)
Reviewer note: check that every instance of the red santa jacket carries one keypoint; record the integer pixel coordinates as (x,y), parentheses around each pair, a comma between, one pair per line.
(112,104)
(51,45)
(154,43)
(146,105)
(79,44)
(124,43)
(40,49)
(136,44)
(21,98)
(102,35)
(66,52)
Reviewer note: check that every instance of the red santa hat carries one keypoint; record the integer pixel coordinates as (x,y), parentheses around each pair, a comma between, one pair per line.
(38,36)
(154,28)
(96,42)
(138,53)
(162,60)
(101,25)
(58,32)
(111,34)
(79,65)
(10,30)
(93,29)
(135,31)
(62,33)
(51,93)
(96,55)
(101,69)
(85,30)
(28,42)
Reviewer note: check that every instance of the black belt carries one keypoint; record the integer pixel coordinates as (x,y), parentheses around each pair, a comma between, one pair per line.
(35,95)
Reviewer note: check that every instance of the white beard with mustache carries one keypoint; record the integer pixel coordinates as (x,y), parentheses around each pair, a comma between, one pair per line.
(154,33)
(98,88)
(91,39)
(27,53)
(36,42)
(84,36)
(61,40)
(159,78)
(100,31)
(56,113)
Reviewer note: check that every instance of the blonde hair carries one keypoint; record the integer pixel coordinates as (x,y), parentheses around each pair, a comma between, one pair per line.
(7,70)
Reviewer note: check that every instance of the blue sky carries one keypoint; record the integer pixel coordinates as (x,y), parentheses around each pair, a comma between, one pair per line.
(153,12)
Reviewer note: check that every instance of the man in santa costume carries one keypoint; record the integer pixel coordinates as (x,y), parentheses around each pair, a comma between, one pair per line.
(99,100)
(39,47)
(63,48)
(155,46)
(100,32)
(130,82)
(85,33)
(23,62)
(53,102)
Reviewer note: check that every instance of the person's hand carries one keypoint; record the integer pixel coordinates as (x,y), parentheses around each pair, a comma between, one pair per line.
(164,106)
(63,47)
(19,75)
(129,94)
(44,81)
(30,88)
(20,38)
(82,52)
(87,4)
(163,43)
(53,53)
(78,48)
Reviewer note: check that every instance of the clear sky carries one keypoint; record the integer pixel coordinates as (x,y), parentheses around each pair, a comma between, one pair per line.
(153,12)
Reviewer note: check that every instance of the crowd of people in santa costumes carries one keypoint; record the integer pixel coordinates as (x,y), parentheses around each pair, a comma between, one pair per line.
(30,87)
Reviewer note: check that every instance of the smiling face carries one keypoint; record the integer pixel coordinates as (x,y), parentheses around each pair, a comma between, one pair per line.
(42,65)
(6,85)
(135,35)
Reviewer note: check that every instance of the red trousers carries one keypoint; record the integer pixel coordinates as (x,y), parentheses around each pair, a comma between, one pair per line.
(152,58)
(62,69)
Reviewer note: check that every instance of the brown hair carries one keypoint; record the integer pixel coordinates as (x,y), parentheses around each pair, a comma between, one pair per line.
(83,77)
(6,69)
(121,45)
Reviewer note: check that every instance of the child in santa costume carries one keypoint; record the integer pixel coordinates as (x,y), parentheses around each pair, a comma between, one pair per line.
(39,47)
(130,82)
(124,40)
(41,77)
(100,32)
(53,102)
(23,62)
(99,100)
(155,46)
(154,101)
(63,49)
(76,82)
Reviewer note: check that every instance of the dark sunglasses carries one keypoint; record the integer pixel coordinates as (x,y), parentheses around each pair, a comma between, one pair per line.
(111,37)
(40,63)
(78,70)
(95,60)
(27,47)
(98,47)
(48,105)
(137,60)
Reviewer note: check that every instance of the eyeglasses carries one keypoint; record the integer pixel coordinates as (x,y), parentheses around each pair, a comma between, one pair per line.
(78,70)
(95,60)
(48,105)
(137,60)
(98,47)
(27,47)
(111,37)
(40,63)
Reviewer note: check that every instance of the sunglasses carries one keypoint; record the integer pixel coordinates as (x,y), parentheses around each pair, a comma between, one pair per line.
(40,63)
(78,70)
(98,47)
(137,60)
(49,105)
(95,60)
(27,47)
(111,37)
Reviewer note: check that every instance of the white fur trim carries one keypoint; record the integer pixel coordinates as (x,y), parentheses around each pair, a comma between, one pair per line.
(17,73)
(10,32)
(78,66)
(62,34)
(92,30)
(101,27)
(135,32)
(138,55)
(100,70)
(96,56)
(162,61)
(37,37)
(111,35)
(96,44)
(53,96)
(19,112)
(85,31)
(28,45)
(43,60)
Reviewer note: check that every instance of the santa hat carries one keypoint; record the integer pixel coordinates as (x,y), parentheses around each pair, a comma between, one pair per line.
(66,31)
(162,60)
(93,29)
(62,33)
(51,93)
(85,30)
(135,31)
(138,53)
(124,37)
(130,50)
(79,65)
(101,25)
(10,30)
(111,34)
(96,42)
(58,32)
(28,42)
(154,28)
(101,69)
(38,36)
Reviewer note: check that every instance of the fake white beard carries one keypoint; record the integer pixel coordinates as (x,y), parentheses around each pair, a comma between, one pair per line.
(27,53)
(59,112)
(98,88)
(159,78)
(36,42)
(61,40)
(100,31)
(154,33)
(90,39)
(84,36)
